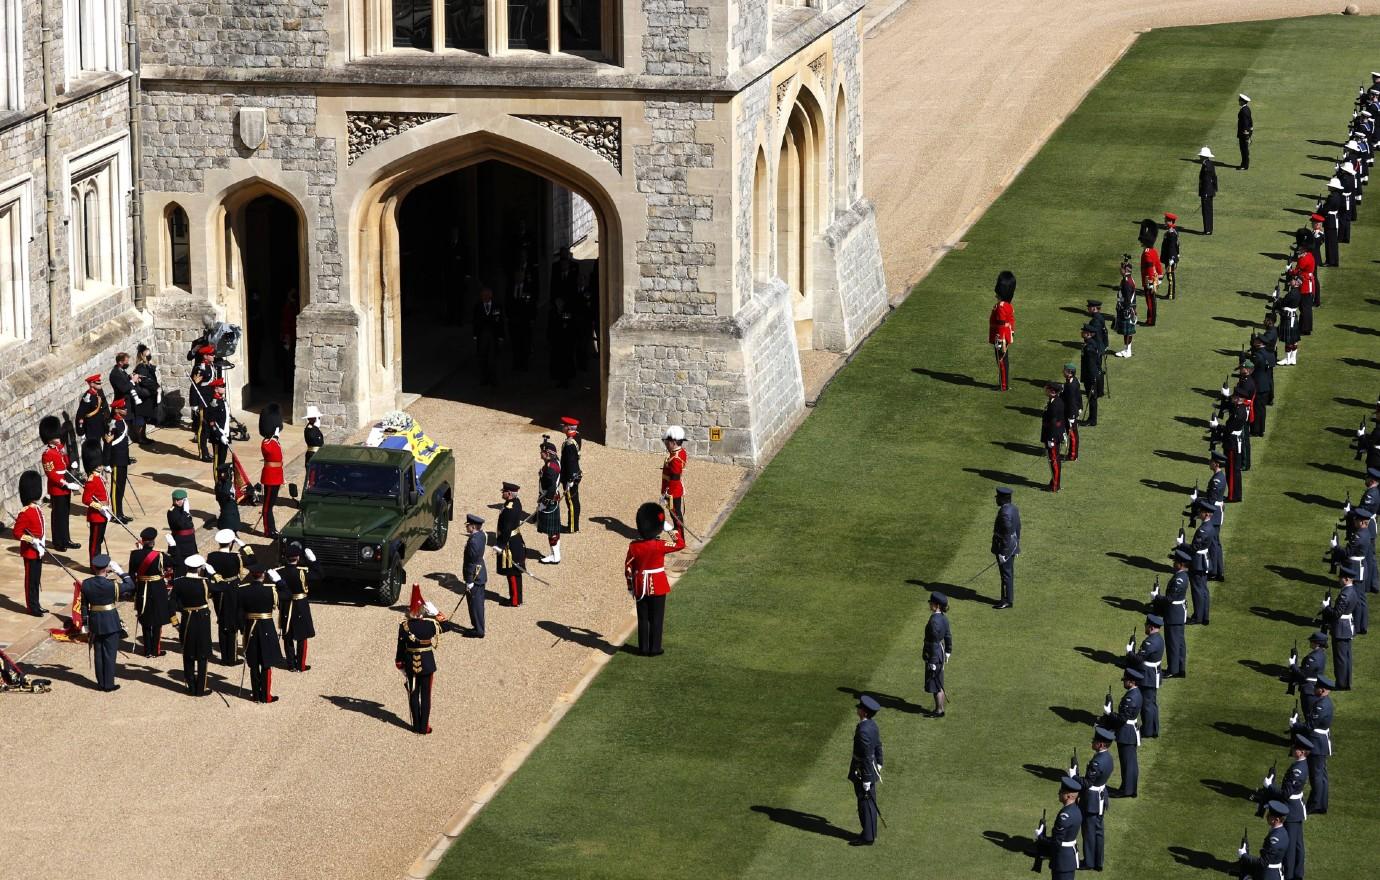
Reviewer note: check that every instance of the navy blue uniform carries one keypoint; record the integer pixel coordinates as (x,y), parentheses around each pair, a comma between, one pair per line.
(98,597)
(1290,791)
(1319,724)
(1203,539)
(191,597)
(1148,659)
(1216,495)
(1006,546)
(416,657)
(1090,367)
(476,577)
(258,605)
(1305,677)
(1093,802)
(229,568)
(1340,618)
(939,644)
(1061,844)
(1269,865)
(1126,724)
(151,598)
(294,610)
(864,773)
(1175,615)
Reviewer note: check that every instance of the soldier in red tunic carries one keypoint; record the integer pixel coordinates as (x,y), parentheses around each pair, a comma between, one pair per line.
(1151,269)
(645,571)
(55,465)
(270,426)
(1307,268)
(1001,326)
(673,474)
(30,533)
(96,496)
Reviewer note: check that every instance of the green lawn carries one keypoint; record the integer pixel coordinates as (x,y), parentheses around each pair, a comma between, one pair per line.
(708,761)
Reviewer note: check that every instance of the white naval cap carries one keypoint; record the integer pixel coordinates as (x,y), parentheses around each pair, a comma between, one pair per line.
(225,536)
(194,562)
(1205,153)
(1352,145)
(1245,97)
(313,412)
(1334,183)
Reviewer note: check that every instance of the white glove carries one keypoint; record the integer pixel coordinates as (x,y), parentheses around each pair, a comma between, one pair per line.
(1106,707)
(1360,432)
(311,557)
(947,655)
(1193,496)
(1241,850)
(273,575)
(1294,718)
(1001,559)
(1333,541)
(1268,781)
(239,545)
(171,541)
(73,487)
(1327,601)
(1040,830)
(1225,391)
(867,786)
(1130,646)
(115,567)
(667,527)
(209,569)
(1346,508)
(1213,421)
(37,544)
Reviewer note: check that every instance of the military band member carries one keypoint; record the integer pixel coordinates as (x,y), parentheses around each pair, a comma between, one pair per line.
(1125,323)
(1304,676)
(227,499)
(549,500)
(1151,269)
(230,561)
(1231,433)
(418,637)
(1245,127)
(1339,617)
(1317,236)
(99,593)
(508,541)
(1006,544)
(475,574)
(1090,362)
(181,531)
(270,426)
(644,570)
(311,434)
(55,468)
(96,496)
(31,534)
(146,565)
(199,397)
(1176,614)
(1207,187)
(1073,406)
(1334,208)
(865,768)
(1093,800)
(939,645)
(117,459)
(1001,326)
(1269,865)
(1263,373)
(673,475)
(257,604)
(1289,791)
(93,413)
(1216,495)
(191,598)
(215,418)
(1204,536)
(1317,721)
(296,576)
(1147,660)
(570,471)
(1060,846)
(1052,430)
(1169,253)
(1288,309)
(1126,724)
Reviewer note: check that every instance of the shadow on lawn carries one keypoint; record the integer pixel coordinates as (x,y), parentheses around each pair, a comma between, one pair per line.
(1360,362)
(1339,470)
(1097,655)
(951,378)
(1244,731)
(1354,328)
(1011,843)
(887,701)
(1185,457)
(954,591)
(1140,562)
(1203,861)
(1289,573)
(804,821)
(1279,615)
(1005,478)
(1252,294)
(1191,421)
(1066,343)
(1048,774)
(1166,486)
(1235,322)
(1073,716)
(1027,411)
(1233,790)
(1309,498)
(1021,448)
(1121,603)
(1269,670)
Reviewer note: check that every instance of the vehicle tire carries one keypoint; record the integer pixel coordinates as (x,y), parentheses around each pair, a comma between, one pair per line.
(440,529)
(390,586)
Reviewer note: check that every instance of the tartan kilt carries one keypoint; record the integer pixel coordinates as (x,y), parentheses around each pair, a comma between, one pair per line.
(549,518)
(1125,323)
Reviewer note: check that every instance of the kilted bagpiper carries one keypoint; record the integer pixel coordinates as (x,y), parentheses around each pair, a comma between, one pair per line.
(549,500)
(1125,322)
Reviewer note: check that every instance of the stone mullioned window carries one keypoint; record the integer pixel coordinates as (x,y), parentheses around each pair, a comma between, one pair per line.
(487,27)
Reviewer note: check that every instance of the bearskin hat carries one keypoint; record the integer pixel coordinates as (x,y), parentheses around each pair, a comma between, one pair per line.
(49,428)
(1149,232)
(650,519)
(270,421)
(91,457)
(1302,238)
(30,487)
(1006,285)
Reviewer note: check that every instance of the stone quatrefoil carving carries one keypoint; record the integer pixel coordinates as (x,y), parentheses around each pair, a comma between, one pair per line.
(369,129)
(602,135)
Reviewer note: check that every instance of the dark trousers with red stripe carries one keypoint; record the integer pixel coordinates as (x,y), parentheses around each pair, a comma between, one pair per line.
(651,615)
(295,652)
(1052,451)
(1233,471)
(153,637)
(93,547)
(261,682)
(1073,441)
(119,478)
(514,590)
(419,701)
(270,496)
(1003,367)
(33,577)
(62,528)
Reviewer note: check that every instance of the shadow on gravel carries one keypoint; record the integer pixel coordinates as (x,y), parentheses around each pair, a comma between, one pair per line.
(804,821)
(366,707)
(615,525)
(579,635)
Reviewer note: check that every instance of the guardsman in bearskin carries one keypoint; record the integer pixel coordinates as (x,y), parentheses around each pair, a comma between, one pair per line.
(181,531)
(939,644)
(96,496)
(673,474)
(270,426)
(1151,269)
(199,397)
(99,593)
(1090,362)
(215,424)
(1204,537)
(311,434)
(117,459)
(549,500)
(1060,845)
(1307,269)
(191,598)
(55,467)
(570,471)
(149,569)
(296,578)
(227,499)
(1169,253)
(418,637)
(257,605)
(1001,326)
(508,541)
(474,574)
(31,534)
(1052,430)
(93,413)
(1073,406)
(645,571)
(230,562)
(1125,322)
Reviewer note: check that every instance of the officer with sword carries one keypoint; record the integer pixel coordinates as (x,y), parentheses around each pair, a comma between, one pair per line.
(865,769)
(99,595)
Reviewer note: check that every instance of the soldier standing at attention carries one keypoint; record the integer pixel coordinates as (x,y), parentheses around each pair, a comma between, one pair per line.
(258,605)
(311,434)
(487,322)
(1304,676)
(1176,614)
(55,467)
(865,769)
(1126,319)
(99,593)
(96,497)
(1207,187)
(474,574)
(1245,126)
(1274,849)
(1263,374)
(1061,845)
(1339,616)
(1318,720)
(1052,428)
(29,531)
(1126,724)
(230,576)
(416,657)
(1073,405)
(1006,545)
(182,531)
(296,579)
(1203,539)
(191,598)
(1147,659)
(1151,269)
(1001,326)
(644,570)
(93,413)
(1169,253)
(1091,364)
(1216,495)
(508,541)
(673,475)
(227,499)
(570,471)
(549,500)
(151,597)
(203,374)
(270,426)
(117,458)
(1307,270)
(939,644)
(215,419)
(1093,802)
(1289,791)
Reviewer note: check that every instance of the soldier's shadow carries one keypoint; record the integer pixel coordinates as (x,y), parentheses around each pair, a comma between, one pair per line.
(1233,790)
(1011,843)
(1005,477)
(1140,562)
(1121,603)
(1204,861)
(1243,731)
(370,708)
(954,591)
(886,701)
(811,822)
(1279,615)
(1048,774)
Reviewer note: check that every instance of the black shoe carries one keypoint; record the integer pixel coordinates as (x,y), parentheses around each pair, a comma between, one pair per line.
(113,687)
(71,545)
(471,634)
(39,612)
(1001,606)
(1192,622)
(858,841)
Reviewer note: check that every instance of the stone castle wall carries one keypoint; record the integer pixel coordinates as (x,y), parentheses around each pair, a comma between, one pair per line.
(257,35)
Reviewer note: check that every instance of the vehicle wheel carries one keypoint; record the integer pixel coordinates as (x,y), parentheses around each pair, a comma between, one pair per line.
(390,587)
(440,529)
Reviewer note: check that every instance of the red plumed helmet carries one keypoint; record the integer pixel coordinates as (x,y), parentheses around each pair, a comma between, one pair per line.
(414,607)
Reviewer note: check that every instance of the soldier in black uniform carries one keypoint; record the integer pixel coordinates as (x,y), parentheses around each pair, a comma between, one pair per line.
(99,593)
(295,580)
(416,657)
(1263,373)
(191,598)
(1090,363)
(939,644)
(1333,207)
(93,413)
(147,566)
(1052,428)
(1244,127)
(865,769)
(199,395)
(258,605)
(117,457)
(1176,614)
(508,541)
(489,330)
(474,574)
(1169,253)
(1231,434)
(1203,539)
(182,531)
(1006,545)
(227,499)
(570,471)
(229,563)
(1073,405)
(215,418)
(549,500)
(1207,187)
(311,434)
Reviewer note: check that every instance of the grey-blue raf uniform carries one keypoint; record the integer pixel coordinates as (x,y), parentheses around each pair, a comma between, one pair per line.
(1269,865)
(1060,845)
(1305,674)
(98,597)
(475,575)
(1126,725)
(1216,495)
(1200,568)
(939,643)
(1289,792)
(1147,660)
(864,771)
(1006,544)
(1093,800)
(1176,615)
(1340,623)
(1318,723)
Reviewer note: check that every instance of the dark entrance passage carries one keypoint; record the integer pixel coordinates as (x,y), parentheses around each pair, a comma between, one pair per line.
(270,249)
(500,294)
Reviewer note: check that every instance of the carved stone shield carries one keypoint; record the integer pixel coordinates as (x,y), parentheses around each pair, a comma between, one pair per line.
(252,127)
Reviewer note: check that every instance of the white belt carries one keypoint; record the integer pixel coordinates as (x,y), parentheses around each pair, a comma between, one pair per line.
(1325,731)
(1276,867)
(1296,797)
(1346,617)
(1203,552)
(1180,601)
(1291,310)
(1069,843)
(1103,786)
(652,570)
(1151,664)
